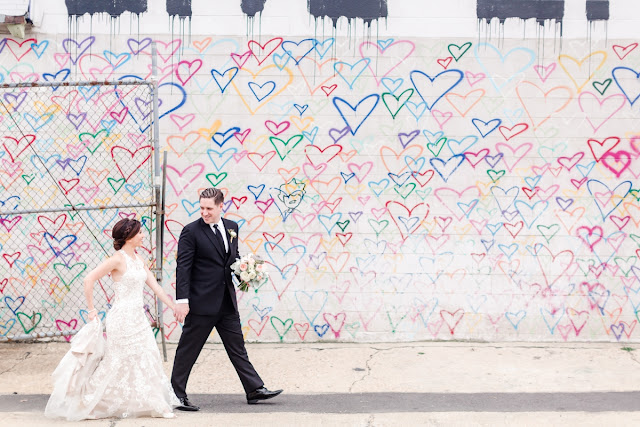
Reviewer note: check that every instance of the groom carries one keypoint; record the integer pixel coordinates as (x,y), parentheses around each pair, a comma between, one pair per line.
(206,298)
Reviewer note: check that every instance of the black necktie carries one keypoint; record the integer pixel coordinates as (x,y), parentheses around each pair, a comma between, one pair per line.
(216,231)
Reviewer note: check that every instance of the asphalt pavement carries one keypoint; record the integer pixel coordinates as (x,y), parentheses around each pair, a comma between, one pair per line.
(427,383)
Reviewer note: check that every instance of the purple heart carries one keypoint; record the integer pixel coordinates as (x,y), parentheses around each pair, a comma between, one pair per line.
(564,203)
(355,215)
(338,134)
(19,99)
(63,163)
(406,138)
(66,258)
(493,160)
(510,215)
(141,45)
(76,119)
(79,48)
(316,260)
(143,106)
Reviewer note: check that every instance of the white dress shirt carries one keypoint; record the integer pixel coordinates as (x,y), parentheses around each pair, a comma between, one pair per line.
(221,229)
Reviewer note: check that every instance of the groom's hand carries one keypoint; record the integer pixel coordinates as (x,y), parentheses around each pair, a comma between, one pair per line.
(181,312)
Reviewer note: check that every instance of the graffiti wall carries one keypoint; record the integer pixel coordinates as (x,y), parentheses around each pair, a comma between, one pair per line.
(400,187)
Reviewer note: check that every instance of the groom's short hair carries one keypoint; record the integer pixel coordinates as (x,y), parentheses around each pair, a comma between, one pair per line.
(212,193)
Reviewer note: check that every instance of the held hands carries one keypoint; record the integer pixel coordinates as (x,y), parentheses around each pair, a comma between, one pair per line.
(180,312)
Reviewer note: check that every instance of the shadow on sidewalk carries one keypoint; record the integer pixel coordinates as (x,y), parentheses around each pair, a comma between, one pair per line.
(359,403)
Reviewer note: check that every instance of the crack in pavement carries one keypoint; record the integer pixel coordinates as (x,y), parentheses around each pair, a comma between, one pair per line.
(19,360)
(370,420)
(633,357)
(367,366)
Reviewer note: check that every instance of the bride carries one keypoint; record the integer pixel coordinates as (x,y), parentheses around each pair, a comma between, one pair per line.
(122,377)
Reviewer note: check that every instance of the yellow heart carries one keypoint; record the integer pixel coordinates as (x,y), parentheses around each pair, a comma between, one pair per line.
(265,101)
(301,123)
(254,144)
(207,133)
(254,245)
(473,319)
(329,244)
(273,221)
(573,68)
(354,190)
(316,273)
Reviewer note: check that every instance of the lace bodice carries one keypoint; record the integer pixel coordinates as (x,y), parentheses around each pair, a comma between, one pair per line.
(128,290)
(129,380)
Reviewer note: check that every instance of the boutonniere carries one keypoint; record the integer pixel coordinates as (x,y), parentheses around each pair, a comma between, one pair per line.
(232,234)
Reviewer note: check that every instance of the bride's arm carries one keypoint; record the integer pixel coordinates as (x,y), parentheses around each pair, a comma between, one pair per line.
(157,289)
(106,267)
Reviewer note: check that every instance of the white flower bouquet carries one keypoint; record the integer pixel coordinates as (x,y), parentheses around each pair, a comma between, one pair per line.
(251,272)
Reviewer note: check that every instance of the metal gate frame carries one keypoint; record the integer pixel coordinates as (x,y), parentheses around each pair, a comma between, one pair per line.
(157,181)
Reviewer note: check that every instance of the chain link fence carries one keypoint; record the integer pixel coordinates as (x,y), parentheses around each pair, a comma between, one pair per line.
(75,158)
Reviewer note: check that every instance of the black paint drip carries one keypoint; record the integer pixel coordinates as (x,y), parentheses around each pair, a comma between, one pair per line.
(181,8)
(540,10)
(114,8)
(597,10)
(252,7)
(367,10)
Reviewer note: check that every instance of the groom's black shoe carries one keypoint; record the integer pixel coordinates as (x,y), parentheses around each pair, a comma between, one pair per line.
(185,405)
(261,394)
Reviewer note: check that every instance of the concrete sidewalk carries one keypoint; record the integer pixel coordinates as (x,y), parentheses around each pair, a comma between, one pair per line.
(434,383)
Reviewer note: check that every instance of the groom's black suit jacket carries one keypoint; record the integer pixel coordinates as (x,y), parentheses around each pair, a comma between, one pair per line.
(204,269)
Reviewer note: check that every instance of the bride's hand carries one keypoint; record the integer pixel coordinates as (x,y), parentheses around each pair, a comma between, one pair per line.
(92,314)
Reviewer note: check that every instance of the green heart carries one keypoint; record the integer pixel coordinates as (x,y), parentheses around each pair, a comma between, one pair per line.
(635,238)
(404,190)
(635,193)
(437,146)
(495,175)
(52,309)
(343,224)
(281,327)
(602,87)
(217,178)
(93,148)
(399,100)
(378,226)
(588,262)
(73,213)
(627,263)
(461,50)
(58,267)
(29,178)
(352,328)
(20,315)
(548,232)
(394,326)
(424,193)
(146,220)
(118,184)
(284,148)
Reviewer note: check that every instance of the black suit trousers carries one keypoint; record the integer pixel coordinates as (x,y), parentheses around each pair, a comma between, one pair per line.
(195,331)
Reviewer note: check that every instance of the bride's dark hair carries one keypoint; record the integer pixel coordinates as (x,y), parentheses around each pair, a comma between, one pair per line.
(124,230)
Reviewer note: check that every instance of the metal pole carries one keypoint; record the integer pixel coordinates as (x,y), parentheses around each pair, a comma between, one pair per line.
(159,201)
(160,241)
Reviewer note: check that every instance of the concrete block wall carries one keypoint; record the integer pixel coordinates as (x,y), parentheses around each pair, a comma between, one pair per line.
(429,176)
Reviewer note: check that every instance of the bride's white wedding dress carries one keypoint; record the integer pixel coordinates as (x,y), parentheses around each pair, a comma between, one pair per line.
(128,379)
